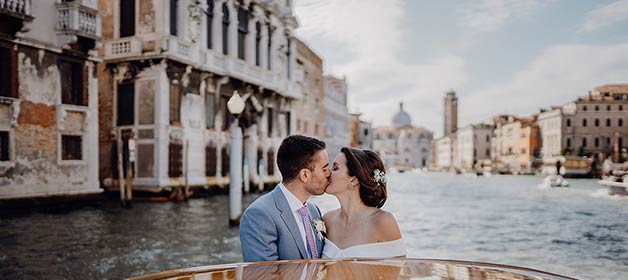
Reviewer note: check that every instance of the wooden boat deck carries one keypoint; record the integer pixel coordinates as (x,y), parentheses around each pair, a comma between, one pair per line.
(381,269)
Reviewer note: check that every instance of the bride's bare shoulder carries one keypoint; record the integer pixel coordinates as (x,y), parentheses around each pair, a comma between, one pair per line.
(331,215)
(386,226)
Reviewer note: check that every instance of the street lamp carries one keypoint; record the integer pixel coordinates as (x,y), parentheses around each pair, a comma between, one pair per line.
(235,106)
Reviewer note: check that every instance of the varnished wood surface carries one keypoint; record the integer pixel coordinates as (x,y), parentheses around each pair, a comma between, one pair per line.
(380,269)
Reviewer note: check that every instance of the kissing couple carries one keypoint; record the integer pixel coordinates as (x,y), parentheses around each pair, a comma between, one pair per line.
(282,225)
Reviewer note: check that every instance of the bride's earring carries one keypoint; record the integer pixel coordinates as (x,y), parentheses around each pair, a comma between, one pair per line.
(350,186)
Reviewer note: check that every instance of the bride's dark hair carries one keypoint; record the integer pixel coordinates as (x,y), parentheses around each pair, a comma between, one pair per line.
(362,164)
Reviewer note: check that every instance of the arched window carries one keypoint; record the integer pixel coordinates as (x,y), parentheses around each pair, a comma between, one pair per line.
(597,108)
(258,38)
(584,141)
(127,18)
(620,122)
(584,122)
(568,142)
(243,30)
(608,122)
(225,29)
(597,122)
(270,43)
(174,20)
(608,107)
(584,108)
(596,141)
(210,21)
(568,122)
(288,42)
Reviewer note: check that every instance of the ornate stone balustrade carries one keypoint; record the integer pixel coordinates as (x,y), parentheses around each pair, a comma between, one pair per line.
(20,7)
(76,19)
(123,48)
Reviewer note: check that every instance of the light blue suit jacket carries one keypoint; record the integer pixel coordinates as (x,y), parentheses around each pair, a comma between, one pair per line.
(268,230)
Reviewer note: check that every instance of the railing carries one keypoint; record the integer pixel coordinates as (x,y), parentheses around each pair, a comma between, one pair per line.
(17,6)
(124,47)
(78,19)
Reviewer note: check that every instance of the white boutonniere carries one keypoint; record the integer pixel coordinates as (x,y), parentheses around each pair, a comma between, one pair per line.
(319,227)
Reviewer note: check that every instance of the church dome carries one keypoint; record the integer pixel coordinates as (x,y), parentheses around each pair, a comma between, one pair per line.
(401,118)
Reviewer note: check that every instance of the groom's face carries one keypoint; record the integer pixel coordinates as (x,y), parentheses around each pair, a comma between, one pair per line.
(320,175)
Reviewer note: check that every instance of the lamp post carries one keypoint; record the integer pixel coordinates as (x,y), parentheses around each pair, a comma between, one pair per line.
(235,106)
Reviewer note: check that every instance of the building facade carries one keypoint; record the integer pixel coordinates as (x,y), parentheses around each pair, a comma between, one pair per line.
(473,145)
(403,145)
(593,124)
(310,113)
(517,149)
(48,98)
(361,132)
(445,151)
(170,66)
(336,114)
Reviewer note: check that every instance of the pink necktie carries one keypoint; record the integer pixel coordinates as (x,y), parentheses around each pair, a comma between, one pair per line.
(309,235)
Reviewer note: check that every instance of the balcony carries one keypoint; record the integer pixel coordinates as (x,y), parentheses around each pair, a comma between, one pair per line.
(77,20)
(123,48)
(14,16)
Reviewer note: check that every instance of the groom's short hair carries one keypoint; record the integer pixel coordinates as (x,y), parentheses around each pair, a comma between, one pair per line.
(296,152)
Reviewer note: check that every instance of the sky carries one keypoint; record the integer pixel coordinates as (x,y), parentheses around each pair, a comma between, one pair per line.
(500,56)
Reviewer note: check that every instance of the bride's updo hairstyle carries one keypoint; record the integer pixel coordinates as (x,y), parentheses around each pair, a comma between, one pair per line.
(362,164)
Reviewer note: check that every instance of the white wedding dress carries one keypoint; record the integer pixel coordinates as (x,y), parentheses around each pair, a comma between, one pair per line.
(388,249)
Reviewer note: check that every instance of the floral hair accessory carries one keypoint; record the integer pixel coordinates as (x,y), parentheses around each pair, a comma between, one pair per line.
(379,177)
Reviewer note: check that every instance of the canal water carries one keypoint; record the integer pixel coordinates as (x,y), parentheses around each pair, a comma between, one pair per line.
(579,231)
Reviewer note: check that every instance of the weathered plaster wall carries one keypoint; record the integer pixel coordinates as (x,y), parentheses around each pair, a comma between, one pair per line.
(36,169)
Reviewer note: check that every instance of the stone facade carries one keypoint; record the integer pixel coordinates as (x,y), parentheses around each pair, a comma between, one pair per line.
(48,98)
(445,152)
(593,124)
(403,145)
(473,145)
(361,132)
(310,117)
(336,114)
(517,149)
(169,69)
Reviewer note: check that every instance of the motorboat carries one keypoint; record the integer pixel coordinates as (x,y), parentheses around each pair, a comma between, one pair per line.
(396,268)
(555,181)
(617,184)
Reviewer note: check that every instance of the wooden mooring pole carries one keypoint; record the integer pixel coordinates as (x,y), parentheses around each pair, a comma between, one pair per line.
(121,181)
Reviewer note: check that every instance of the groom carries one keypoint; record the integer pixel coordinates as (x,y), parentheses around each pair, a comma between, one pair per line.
(278,225)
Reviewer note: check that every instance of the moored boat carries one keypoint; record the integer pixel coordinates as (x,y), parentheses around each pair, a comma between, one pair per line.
(617,184)
(555,181)
(398,268)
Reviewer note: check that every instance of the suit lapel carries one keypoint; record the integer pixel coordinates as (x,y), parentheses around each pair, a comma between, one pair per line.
(288,218)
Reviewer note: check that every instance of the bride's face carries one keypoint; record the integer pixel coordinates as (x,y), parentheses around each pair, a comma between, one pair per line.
(339,180)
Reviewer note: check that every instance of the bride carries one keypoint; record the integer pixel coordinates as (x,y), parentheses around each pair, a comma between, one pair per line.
(359,228)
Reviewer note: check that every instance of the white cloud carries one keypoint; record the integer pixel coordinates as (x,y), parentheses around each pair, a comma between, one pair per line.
(491,15)
(605,16)
(557,76)
(368,34)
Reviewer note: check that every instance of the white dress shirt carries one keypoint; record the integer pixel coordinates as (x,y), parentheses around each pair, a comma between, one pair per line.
(295,204)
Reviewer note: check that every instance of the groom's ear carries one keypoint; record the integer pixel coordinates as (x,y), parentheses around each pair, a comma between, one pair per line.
(304,175)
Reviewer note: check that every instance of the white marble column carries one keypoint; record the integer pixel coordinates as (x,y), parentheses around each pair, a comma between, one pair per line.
(250,41)
(217,27)
(293,57)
